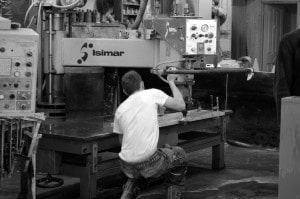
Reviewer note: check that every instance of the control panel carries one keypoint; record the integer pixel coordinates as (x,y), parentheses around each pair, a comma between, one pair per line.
(201,37)
(18,71)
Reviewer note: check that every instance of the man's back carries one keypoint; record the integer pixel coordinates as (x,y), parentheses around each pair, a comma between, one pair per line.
(137,117)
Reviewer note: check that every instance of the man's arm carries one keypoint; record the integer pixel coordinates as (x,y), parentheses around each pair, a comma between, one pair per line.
(176,102)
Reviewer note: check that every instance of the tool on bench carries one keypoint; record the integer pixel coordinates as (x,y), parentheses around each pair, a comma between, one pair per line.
(183,120)
(214,108)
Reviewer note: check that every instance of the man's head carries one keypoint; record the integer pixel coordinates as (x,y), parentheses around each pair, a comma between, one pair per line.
(131,82)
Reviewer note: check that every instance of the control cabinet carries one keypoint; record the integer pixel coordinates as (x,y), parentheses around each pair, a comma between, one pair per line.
(201,37)
(18,71)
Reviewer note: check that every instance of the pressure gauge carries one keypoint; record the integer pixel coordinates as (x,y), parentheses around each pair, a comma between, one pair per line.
(204,28)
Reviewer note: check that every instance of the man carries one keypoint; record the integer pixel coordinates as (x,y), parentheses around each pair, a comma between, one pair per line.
(287,69)
(136,122)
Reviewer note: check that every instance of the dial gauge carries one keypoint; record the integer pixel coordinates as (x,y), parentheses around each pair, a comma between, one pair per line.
(204,28)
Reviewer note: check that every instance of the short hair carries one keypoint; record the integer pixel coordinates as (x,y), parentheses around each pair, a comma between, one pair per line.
(131,82)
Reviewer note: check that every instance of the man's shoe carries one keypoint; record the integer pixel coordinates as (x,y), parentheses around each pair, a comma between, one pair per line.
(131,189)
(174,192)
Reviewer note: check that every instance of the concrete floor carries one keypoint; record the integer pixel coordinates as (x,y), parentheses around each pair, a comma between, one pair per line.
(249,173)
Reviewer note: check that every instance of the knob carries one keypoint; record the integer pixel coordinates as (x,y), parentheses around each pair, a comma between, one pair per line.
(2,97)
(210,35)
(194,27)
(201,35)
(16,85)
(23,106)
(17,64)
(12,96)
(29,53)
(2,49)
(27,85)
(28,64)
(5,85)
(193,35)
(28,74)
(208,49)
(6,106)
(17,74)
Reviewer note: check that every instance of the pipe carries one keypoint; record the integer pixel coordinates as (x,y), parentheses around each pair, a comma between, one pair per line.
(209,70)
(140,15)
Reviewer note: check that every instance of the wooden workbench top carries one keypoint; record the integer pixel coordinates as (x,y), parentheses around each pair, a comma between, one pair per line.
(99,127)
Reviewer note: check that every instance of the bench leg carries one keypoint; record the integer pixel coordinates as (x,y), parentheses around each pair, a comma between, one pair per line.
(218,161)
(88,180)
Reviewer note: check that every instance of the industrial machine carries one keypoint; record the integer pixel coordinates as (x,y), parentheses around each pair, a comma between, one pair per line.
(18,69)
(166,34)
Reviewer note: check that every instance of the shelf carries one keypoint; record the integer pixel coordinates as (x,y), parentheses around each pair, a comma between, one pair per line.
(131,4)
(129,14)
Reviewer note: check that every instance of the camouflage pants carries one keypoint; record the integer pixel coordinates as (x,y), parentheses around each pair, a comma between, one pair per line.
(164,161)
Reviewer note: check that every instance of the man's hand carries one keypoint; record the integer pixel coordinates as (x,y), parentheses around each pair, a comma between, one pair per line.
(172,77)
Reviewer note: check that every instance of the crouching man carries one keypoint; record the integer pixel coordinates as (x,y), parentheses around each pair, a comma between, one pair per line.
(136,122)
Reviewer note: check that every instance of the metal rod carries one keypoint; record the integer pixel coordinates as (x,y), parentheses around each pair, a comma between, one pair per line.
(208,71)
(50,58)
(2,147)
(10,139)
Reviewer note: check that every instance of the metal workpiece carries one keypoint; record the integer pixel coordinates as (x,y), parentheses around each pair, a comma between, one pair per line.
(207,71)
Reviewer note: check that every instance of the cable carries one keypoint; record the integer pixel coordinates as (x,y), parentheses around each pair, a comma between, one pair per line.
(31,20)
(27,12)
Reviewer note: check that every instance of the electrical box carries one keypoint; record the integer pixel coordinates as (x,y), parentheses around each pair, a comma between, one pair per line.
(18,71)
(201,37)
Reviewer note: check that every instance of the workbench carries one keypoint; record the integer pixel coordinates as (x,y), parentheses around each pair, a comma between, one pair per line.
(76,145)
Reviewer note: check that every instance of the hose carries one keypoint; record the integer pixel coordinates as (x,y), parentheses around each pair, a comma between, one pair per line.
(65,7)
(140,15)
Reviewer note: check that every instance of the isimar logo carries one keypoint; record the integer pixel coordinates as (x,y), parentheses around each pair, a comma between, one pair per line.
(85,54)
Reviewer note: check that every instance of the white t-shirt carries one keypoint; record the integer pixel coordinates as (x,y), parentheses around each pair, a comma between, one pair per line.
(136,118)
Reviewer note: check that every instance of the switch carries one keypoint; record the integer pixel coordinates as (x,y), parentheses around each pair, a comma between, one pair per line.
(17,74)
(29,53)
(28,64)
(6,106)
(23,106)
(208,49)
(2,97)
(27,85)
(24,96)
